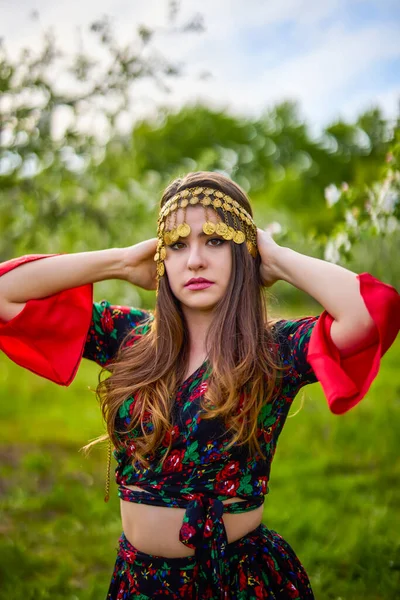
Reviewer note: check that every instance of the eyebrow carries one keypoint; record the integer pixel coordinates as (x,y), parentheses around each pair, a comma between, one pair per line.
(203,235)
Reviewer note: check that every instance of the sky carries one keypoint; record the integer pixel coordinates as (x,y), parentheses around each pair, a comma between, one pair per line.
(337,58)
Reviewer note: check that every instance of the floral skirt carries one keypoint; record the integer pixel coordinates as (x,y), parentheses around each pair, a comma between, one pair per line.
(260,565)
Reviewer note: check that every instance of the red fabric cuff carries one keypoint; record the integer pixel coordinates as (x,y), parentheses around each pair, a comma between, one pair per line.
(346,380)
(48,336)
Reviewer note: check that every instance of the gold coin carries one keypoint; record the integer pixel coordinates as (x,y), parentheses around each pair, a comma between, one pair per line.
(167,238)
(206,201)
(174,206)
(184,194)
(226,206)
(221,228)
(218,194)
(229,235)
(163,253)
(209,228)
(156,256)
(194,200)
(162,226)
(174,236)
(174,198)
(183,230)
(184,203)
(197,191)
(235,203)
(239,237)
(232,232)
(208,191)
(252,249)
(217,203)
(235,210)
(160,269)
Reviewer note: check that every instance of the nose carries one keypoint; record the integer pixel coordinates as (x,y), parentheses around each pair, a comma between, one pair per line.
(196,258)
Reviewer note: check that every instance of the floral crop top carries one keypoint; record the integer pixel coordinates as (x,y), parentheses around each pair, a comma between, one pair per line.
(198,460)
(50,336)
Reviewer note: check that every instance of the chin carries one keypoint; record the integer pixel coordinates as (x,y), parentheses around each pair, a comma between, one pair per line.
(206,306)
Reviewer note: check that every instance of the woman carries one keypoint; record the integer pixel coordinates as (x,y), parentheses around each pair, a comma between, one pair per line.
(199,388)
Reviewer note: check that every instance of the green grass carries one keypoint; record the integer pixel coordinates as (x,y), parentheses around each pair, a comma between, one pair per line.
(334,490)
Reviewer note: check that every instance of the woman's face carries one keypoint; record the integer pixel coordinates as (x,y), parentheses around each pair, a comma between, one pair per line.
(198,256)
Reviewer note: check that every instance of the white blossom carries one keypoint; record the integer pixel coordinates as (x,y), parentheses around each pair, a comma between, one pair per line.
(331,253)
(351,221)
(390,200)
(332,194)
(274,228)
(392,225)
(335,245)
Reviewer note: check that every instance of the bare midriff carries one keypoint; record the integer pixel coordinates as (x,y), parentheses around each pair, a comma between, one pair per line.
(155,529)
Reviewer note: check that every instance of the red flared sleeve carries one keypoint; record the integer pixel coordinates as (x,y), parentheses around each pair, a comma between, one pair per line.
(346,380)
(48,335)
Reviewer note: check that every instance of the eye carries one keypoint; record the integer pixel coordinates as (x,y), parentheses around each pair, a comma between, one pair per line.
(173,246)
(219,241)
(212,241)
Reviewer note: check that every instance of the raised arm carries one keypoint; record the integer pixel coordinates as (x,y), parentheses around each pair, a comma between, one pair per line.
(337,289)
(342,347)
(48,320)
(35,279)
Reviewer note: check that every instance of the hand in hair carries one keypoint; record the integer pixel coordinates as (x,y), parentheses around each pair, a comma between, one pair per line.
(268,250)
(139,265)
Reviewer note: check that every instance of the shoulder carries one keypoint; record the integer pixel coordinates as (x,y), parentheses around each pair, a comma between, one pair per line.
(287,329)
(292,339)
(118,313)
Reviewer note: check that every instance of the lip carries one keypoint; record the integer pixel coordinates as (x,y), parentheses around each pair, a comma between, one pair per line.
(198,280)
(199,286)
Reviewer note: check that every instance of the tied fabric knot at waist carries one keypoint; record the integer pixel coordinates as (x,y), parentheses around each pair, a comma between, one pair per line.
(202,529)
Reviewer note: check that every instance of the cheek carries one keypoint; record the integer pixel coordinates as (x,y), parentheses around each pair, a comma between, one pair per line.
(172,269)
(227,263)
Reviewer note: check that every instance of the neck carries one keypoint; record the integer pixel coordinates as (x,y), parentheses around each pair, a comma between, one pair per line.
(198,324)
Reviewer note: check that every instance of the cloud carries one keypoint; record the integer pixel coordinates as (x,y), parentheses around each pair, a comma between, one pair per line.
(320,53)
(324,79)
(322,75)
(388,101)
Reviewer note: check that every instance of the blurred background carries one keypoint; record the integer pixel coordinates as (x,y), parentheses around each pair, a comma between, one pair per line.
(102,104)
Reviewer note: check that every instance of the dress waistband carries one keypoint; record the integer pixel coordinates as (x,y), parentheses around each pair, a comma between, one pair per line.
(202,528)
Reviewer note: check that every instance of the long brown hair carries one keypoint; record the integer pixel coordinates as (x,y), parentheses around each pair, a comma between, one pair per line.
(243,376)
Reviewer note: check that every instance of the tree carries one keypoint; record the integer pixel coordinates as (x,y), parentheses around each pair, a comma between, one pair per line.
(369,207)
(47,187)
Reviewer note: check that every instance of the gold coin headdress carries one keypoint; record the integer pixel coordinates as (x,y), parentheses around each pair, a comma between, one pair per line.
(237,225)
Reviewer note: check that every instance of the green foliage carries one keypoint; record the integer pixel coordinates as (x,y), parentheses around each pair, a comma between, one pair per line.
(70,188)
(369,208)
(274,157)
(52,189)
(57,185)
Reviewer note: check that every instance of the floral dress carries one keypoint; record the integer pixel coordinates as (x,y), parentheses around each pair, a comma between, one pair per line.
(199,471)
